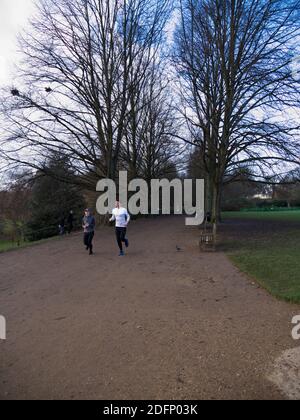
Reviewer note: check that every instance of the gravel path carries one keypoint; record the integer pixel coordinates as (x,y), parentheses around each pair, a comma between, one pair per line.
(157,324)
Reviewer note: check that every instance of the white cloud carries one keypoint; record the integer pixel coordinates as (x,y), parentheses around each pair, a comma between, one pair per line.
(13,17)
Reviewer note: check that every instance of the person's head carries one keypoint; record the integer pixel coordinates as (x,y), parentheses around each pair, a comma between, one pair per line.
(118,204)
(87,212)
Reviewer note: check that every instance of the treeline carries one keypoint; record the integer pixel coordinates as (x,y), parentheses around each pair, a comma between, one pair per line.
(246,194)
(34,205)
(240,189)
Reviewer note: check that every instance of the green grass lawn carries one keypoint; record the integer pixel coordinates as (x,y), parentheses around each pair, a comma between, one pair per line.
(270,253)
(285,216)
(9,245)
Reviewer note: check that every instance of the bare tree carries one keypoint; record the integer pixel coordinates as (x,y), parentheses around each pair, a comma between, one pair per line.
(82,59)
(151,149)
(235,59)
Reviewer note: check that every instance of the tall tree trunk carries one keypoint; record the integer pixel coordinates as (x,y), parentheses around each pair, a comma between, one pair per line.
(216,206)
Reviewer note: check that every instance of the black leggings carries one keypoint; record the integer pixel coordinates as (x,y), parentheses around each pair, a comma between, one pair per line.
(70,228)
(121,236)
(88,240)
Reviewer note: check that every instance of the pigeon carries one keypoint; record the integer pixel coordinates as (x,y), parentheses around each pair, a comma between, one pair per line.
(177,248)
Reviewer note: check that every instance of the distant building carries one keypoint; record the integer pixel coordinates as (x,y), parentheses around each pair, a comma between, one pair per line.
(263,196)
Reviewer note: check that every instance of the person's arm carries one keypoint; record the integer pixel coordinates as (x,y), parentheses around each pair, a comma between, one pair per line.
(113,218)
(127,217)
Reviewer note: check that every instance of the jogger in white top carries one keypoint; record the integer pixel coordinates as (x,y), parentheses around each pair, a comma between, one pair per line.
(121,216)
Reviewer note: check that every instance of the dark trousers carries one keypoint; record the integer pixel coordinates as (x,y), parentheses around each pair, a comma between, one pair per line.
(88,240)
(70,228)
(121,236)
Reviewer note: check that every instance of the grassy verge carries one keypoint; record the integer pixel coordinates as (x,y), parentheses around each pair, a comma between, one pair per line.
(10,246)
(284,216)
(271,256)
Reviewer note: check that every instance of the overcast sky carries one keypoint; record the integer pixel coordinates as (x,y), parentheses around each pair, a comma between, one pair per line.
(13,17)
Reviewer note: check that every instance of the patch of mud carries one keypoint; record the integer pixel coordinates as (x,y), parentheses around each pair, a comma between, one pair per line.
(286,373)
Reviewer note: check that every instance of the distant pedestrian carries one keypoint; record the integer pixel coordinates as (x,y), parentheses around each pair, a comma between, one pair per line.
(62,226)
(70,222)
(88,225)
(121,216)
(208,217)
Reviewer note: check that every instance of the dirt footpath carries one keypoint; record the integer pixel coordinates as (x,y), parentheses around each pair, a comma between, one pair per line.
(157,324)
